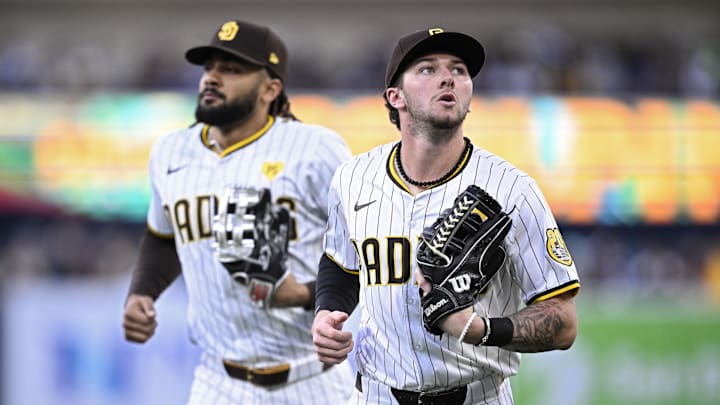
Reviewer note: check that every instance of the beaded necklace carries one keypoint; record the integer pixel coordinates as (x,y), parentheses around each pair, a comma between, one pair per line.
(431,183)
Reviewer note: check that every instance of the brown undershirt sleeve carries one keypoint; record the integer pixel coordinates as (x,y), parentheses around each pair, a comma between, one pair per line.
(157,266)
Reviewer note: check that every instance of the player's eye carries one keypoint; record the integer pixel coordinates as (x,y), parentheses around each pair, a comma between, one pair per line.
(426,70)
(237,68)
(232,69)
(459,70)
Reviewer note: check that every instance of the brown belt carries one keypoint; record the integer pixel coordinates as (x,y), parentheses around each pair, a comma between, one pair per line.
(449,397)
(264,377)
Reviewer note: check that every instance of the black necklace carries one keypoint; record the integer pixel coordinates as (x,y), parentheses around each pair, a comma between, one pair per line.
(431,183)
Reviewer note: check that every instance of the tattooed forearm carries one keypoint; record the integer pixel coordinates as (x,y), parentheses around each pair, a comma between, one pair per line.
(542,326)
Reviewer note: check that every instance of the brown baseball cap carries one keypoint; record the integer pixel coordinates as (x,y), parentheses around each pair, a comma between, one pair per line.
(250,42)
(419,43)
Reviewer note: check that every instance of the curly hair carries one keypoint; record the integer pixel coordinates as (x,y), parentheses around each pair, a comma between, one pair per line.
(280,107)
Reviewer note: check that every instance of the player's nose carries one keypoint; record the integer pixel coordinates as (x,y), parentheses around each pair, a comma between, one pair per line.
(447,79)
(210,78)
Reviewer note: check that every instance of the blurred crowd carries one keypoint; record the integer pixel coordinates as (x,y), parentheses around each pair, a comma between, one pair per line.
(538,60)
(646,262)
(66,247)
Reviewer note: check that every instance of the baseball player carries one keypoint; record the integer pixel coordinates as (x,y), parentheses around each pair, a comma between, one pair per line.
(415,342)
(239,204)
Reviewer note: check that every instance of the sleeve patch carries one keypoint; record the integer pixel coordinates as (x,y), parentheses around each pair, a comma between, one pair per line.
(556,247)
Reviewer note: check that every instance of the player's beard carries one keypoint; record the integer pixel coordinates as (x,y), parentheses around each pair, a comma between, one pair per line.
(434,126)
(230,113)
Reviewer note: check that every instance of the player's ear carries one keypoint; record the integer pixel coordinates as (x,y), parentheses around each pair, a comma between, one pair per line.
(395,97)
(271,88)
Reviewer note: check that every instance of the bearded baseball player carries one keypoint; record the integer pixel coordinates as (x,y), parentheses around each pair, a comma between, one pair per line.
(239,207)
(452,252)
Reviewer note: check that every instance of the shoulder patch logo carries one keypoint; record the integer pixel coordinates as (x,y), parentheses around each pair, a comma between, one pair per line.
(272,169)
(556,247)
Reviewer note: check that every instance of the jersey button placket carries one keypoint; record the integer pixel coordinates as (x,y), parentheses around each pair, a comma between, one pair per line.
(420,342)
(415,222)
(416,209)
(414,219)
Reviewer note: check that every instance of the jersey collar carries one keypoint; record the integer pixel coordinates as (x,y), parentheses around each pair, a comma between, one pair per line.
(205,138)
(398,180)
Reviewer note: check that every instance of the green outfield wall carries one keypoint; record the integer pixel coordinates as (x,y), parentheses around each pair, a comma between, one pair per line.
(659,353)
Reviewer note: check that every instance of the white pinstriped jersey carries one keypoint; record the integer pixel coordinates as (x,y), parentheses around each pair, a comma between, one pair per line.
(296,162)
(374,226)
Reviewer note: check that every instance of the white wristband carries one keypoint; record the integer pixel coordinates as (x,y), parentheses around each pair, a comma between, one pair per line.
(467,327)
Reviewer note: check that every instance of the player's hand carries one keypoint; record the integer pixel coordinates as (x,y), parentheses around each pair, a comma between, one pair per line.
(422,282)
(332,344)
(452,324)
(139,320)
(290,293)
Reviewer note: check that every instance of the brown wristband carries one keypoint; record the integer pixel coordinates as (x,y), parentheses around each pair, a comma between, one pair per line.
(311,286)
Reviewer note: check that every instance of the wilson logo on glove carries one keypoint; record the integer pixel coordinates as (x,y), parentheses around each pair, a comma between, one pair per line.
(434,307)
(461,283)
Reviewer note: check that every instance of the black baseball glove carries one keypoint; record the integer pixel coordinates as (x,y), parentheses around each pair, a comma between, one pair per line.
(251,240)
(460,253)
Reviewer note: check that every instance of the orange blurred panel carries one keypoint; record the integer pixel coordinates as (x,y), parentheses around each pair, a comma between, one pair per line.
(601,143)
(658,195)
(701,132)
(314,109)
(701,161)
(573,198)
(702,192)
(656,144)
(653,139)
(703,114)
(598,153)
(502,126)
(365,124)
(71,154)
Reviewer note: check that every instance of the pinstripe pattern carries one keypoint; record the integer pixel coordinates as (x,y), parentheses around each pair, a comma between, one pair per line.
(295,161)
(376,393)
(211,386)
(392,347)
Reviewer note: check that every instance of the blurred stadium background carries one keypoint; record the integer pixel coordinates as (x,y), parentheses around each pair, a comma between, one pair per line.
(613,106)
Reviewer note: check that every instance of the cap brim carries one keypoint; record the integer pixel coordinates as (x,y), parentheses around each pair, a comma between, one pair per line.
(463,46)
(200,54)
